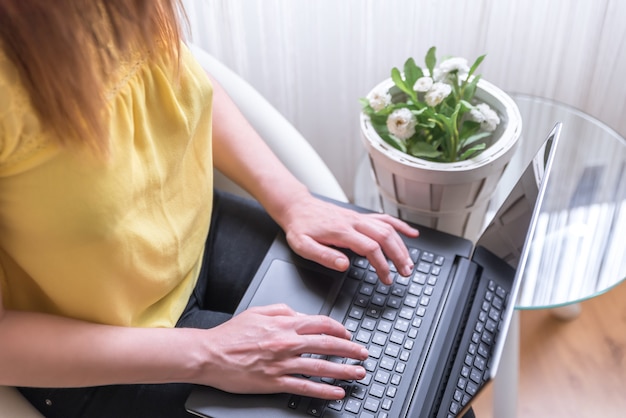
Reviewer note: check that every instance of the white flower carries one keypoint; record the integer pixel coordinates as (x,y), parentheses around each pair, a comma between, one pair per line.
(379,100)
(423,84)
(437,93)
(486,116)
(401,123)
(456,64)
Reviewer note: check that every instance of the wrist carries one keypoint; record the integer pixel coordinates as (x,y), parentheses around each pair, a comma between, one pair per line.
(282,204)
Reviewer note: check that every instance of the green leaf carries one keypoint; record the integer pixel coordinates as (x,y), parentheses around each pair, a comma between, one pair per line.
(396,76)
(474,66)
(411,72)
(395,142)
(454,117)
(423,150)
(465,106)
(474,138)
(470,90)
(428,123)
(431,59)
(472,151)
(468,128)
(379,121)
(418,112)
(365,105)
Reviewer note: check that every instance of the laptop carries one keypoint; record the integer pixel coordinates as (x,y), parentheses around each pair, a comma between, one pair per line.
(435,338)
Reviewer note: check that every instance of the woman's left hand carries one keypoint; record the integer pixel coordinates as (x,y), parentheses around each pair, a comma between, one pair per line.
(314,226)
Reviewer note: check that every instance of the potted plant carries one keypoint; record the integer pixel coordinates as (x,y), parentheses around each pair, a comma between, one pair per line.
(439,139)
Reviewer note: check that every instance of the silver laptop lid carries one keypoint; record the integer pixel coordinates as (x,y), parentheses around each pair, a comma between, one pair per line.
(513,227)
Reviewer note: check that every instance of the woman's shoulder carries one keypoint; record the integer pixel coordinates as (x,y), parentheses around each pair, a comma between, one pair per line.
(20,127)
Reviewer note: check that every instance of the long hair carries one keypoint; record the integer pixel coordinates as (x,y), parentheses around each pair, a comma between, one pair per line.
(66,51)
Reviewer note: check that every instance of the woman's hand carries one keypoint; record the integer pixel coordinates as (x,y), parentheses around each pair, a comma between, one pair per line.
(314,227)
(259,351)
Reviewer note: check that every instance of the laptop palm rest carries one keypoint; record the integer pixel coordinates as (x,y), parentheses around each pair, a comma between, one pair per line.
(285,281)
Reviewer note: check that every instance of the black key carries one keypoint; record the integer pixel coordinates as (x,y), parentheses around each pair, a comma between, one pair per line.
(389,314)
(336,405)
(360,262)
(316,407)
(370,365)
(294,401)
(353,406)
(371,404)
(368,324)
(428,257)
(471,388)
(356,273)
(377,390)
(358,392)
(476,375)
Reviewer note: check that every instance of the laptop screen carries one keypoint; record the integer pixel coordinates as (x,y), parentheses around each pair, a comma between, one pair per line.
(512,228)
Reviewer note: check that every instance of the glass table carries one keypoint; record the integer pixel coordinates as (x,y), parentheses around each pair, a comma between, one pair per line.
(577,250)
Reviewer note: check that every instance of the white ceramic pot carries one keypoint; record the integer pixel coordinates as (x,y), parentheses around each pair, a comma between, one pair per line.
(450,197)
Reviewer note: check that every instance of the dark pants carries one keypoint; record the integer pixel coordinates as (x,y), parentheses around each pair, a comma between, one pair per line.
(240,234)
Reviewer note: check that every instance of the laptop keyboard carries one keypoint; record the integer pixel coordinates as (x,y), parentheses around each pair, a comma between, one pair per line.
(474,370)
(387,320)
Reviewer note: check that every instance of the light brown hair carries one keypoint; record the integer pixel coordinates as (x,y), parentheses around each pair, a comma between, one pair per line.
(67,49)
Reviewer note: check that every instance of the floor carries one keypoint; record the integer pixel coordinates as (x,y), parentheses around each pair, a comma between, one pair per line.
(573,369)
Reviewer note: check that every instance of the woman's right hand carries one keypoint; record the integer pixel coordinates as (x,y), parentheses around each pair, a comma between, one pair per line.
(260,351)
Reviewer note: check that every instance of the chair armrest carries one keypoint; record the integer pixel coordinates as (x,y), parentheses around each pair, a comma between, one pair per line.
(13,404)
(284,140)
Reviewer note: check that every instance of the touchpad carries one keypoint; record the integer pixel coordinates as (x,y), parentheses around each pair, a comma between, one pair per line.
(302,289)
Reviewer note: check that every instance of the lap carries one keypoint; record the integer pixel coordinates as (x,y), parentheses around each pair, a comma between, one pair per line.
(156,401)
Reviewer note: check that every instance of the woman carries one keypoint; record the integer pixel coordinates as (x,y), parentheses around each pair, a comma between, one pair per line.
(120,269)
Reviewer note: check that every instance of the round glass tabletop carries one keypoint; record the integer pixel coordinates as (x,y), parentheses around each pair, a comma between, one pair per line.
(577,250)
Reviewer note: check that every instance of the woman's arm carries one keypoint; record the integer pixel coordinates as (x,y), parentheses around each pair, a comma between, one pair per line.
(256,352)
(51,351)
(312,225)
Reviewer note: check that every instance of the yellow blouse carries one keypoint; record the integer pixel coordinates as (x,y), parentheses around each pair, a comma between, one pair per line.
(115,239)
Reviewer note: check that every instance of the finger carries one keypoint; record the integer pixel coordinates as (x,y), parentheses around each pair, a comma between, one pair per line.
(318,367)
(398,224)
(364,244)
(309,388)
(391,244)
(311,249)
(320,324)
(331,346)
(278,309)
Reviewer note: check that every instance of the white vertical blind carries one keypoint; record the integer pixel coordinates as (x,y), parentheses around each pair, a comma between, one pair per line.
(313,59)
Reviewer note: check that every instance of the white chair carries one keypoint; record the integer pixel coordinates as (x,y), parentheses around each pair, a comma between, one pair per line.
(286,142)
(293,150)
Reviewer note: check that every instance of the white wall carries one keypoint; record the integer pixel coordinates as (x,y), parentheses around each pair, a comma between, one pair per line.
(313,59)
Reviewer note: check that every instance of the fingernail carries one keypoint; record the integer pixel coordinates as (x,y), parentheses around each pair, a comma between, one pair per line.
(340,263)
(408,266)
(339,392)
(364,352)
(389,278)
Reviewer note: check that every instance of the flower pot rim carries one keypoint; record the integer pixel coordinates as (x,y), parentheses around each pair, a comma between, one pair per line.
(505,144)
